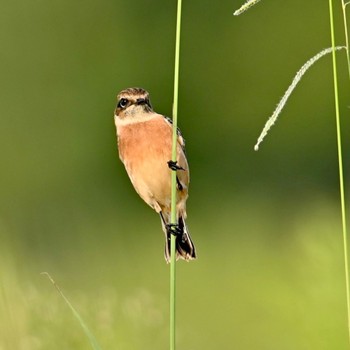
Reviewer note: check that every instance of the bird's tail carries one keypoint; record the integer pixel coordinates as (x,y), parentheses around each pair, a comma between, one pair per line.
(185,248)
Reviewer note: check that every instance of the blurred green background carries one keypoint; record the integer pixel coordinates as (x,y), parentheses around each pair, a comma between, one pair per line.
(266,224)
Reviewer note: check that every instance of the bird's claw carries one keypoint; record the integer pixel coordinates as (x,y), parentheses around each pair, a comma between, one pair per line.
(174,229)
(173,165)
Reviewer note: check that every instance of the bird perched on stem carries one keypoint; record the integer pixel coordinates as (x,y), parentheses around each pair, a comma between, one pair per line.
(145,144)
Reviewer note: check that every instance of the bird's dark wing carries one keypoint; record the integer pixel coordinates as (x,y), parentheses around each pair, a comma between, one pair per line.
(179,135)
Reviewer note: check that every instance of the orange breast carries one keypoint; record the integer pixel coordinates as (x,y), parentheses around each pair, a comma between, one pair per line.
(145,149)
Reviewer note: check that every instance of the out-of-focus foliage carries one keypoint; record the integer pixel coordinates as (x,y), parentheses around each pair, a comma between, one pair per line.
(266,224)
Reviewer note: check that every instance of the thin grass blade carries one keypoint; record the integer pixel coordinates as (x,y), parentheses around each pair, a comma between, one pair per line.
(340,164)
(83,325)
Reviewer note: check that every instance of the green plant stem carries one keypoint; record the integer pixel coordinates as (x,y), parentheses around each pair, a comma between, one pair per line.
(340,162)
(173,183)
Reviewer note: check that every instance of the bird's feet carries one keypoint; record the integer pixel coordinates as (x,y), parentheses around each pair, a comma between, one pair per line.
(177,231)
(174,229)
(173,165)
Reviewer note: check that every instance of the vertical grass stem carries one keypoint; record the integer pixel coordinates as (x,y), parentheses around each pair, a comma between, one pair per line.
(173,182)
(340,162)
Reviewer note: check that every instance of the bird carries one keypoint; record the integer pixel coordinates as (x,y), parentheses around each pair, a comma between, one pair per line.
(144,140)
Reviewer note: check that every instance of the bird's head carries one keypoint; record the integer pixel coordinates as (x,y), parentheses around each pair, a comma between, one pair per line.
(132,101)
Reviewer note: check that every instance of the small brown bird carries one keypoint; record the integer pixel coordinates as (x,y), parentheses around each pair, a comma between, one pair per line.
(145,143)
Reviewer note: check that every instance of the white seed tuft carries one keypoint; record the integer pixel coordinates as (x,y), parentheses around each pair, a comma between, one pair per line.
(245,7)
(271,121)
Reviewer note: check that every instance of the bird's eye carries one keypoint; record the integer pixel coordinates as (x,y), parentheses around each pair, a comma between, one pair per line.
(123,103)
